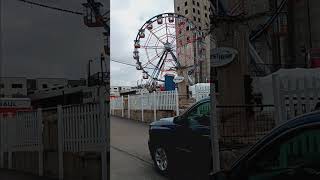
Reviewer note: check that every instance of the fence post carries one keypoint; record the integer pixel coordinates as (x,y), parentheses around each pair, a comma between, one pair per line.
(154,106)
(112,106)
(276,96)
(129,107)
(177,102)
(11,139)
(40,130)
(60,142)
(122,106)
(142,113)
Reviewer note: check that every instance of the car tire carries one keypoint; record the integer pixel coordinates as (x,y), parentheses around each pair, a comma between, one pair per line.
(161,159)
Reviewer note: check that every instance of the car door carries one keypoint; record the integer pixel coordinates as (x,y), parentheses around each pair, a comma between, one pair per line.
(193,143)
(294,155)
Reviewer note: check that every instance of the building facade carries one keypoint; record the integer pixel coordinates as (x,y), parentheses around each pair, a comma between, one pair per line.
(48,83)
(198,11)
(13,87)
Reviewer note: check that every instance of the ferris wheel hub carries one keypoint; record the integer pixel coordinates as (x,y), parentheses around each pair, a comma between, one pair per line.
(168,46)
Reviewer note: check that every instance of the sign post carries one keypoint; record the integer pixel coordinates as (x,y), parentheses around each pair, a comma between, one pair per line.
(220,57)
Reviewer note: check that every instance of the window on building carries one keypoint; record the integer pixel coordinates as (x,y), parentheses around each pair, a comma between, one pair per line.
(186,11)
(1,85)
(200,28)
(187,28)
(205,7)
(44,85)
(199,20)
(205,15)
(193,2)
(198,4)
(186,3)
(199,12)
(178,8)
(16,86)
(194,18)
(194,10)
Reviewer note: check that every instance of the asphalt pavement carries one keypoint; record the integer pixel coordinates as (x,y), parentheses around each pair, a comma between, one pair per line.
(130,159)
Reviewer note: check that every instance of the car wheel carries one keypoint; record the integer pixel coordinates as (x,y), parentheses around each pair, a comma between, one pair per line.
(161,160)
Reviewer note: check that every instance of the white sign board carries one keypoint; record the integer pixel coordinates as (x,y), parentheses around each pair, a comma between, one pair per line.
(178,79)
(222,56)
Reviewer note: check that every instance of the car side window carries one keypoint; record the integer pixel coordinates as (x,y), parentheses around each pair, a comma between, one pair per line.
(200,115)
(295,157)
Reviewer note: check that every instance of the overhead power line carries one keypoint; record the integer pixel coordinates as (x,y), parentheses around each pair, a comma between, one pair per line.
(124,63)
(51,7)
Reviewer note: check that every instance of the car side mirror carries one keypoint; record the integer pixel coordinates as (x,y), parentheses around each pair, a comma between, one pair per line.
(180,120)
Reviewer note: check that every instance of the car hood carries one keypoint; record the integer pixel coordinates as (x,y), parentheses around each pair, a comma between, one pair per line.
(163,122)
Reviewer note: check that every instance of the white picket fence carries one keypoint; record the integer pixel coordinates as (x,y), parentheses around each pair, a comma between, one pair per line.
(294,97)
(162,100)
(22,132)
(83,128)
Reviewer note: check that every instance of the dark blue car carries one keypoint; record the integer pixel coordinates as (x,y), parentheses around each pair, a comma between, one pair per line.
(291,151)
(182,141)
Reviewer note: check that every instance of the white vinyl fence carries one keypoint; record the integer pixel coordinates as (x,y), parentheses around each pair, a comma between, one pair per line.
(83,128)
(202,92)
(294,97)
(22,132)
(162,100)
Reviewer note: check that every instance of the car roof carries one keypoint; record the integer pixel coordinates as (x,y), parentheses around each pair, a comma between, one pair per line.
(299,121)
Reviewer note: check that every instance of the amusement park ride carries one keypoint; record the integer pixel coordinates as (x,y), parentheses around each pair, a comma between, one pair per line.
(167,44)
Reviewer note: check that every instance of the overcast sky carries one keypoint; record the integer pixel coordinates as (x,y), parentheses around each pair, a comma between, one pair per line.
(127,17)
(39,42)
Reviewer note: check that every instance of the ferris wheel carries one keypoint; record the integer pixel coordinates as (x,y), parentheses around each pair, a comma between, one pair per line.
(166,43)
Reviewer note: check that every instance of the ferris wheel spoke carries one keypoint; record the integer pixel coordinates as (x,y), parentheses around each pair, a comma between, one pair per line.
(175,58)
(167,32)
(156,36)
(157,68)
(162,63)
(153,59)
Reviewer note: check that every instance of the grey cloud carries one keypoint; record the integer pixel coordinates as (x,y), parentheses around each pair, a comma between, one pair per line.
(39,42)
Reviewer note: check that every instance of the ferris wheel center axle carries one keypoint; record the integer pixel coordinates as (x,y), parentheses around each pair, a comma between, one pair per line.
(168,46)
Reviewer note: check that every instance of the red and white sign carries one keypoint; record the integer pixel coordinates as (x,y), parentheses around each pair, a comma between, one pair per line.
(12,105)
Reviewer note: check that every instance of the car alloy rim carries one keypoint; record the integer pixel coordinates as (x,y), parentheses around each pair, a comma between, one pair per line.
(161,159)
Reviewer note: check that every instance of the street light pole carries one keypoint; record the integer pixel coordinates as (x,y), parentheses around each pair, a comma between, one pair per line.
(89,71)
(101,66)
